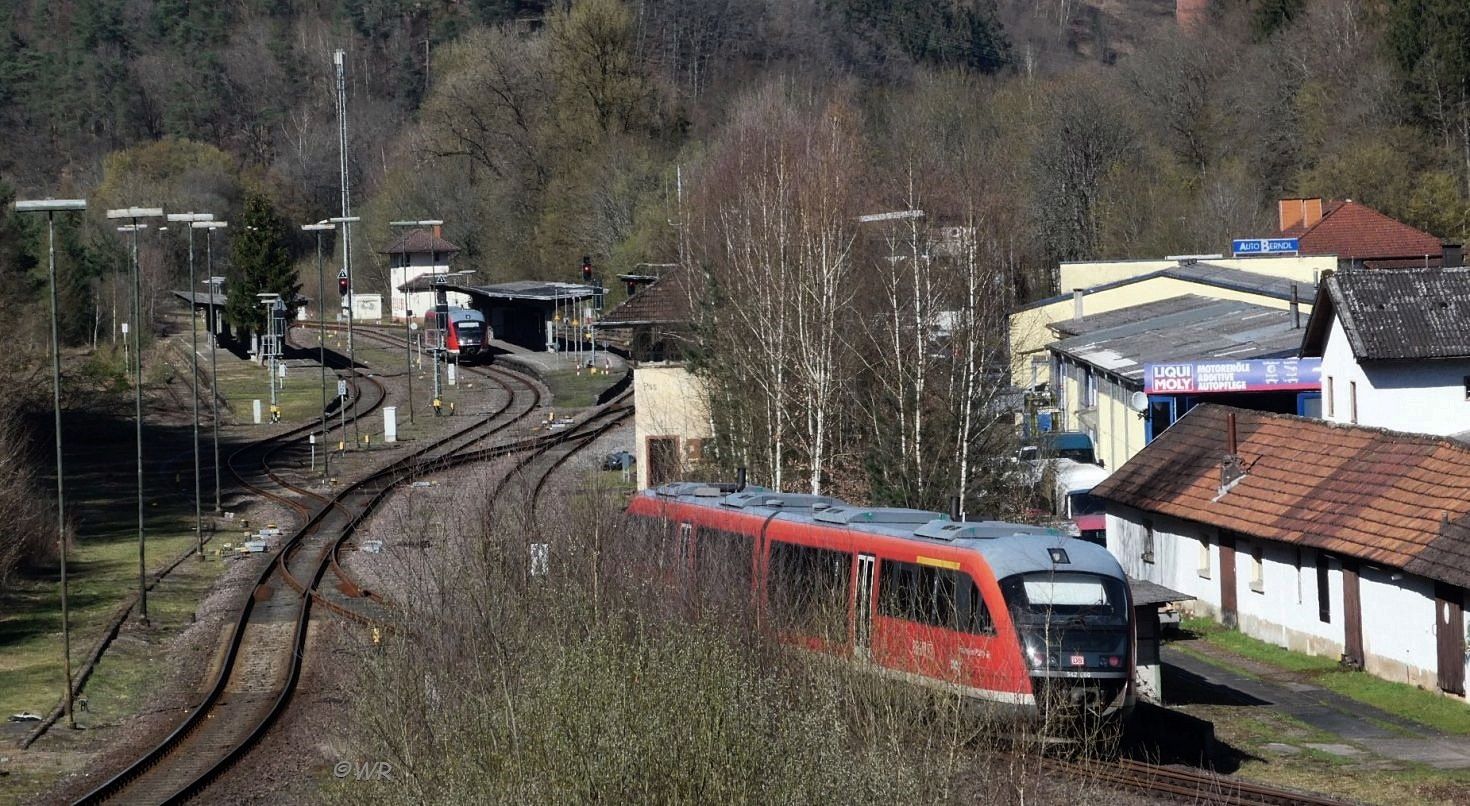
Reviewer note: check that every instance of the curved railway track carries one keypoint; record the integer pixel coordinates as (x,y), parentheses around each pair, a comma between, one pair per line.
(261,662)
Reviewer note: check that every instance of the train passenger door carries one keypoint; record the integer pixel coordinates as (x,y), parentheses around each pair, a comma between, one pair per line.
(863,622)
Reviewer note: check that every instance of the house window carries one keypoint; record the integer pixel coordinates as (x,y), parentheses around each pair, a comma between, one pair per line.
(1324,599)
(1148,541)
(1467,387)
(1327,395)
(1353,401)
(1258,570)
(1204,558)
(1089,388)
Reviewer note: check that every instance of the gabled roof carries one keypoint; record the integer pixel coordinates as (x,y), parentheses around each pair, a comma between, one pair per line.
(416,241)
(1384,497)
(1176,329)
(1205,274)
(668,301)
(1354,231)
(1399,313)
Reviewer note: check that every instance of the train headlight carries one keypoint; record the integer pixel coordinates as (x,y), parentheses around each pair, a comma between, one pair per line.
(1035,650)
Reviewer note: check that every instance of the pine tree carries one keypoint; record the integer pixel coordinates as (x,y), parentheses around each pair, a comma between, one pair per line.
(259,263)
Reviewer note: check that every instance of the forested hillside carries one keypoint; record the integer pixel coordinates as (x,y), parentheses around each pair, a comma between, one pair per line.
(544,131)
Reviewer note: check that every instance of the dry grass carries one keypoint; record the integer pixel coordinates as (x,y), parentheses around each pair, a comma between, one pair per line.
(608,679)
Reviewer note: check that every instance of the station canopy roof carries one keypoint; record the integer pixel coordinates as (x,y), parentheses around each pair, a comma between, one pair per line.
(516,290)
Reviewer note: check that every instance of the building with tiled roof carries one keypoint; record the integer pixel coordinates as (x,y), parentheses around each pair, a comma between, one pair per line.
(1360,236)
(1395,348)
(1331,539)
(671,404)
(412,254)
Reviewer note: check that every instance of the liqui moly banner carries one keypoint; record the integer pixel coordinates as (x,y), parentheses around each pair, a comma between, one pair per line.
(1250,375)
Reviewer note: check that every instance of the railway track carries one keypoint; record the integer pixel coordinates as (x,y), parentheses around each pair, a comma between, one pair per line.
(1195,786)
(262,661)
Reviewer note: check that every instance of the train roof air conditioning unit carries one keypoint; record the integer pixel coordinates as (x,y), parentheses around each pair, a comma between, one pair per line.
(760,497)
(945,529)
(849,515)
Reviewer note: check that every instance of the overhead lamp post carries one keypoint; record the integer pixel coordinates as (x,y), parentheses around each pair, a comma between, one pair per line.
(407,311)
(215,284)
(133,214)
(347,221)
(51,207)
(321,323)
(191,219)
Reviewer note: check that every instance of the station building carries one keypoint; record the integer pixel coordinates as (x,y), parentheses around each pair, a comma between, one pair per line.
(1335,540)
(1394,348)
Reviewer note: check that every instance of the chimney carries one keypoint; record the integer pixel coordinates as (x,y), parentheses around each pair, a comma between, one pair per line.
(1289,212)
(1296,309)
(1076,303)
(1311,211)
(437,231)
(1190,15)
(1231,468)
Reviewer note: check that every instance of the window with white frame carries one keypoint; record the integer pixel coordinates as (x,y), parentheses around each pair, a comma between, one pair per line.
(1204,557)
(1258,570)
(1148,541)
(1089,388)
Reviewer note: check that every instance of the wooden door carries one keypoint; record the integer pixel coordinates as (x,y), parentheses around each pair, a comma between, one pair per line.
(1449,628)
(1352,610)
(1227,580)
(663,460)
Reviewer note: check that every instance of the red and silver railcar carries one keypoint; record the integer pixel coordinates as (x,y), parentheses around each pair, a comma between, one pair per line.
(1007,613)
(465,333)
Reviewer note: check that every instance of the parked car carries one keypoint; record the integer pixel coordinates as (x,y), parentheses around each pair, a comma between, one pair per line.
(619,460)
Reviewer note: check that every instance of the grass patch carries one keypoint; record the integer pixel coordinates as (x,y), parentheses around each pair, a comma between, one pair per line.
(1409,702)
(102,573)
(571,389)
(300,398)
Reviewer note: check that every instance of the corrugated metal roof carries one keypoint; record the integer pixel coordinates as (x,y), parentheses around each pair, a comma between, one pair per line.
(1385,497)
(1175,329)
(1403,313)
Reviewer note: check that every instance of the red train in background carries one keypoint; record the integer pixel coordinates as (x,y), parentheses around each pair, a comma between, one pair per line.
(466,335)
(1008,614)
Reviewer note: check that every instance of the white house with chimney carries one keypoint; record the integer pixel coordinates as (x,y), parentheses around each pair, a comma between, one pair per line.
(1395,348)
(415,253)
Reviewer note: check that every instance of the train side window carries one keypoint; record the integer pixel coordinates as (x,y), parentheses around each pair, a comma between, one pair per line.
(723,559)
(974,615)
(809,588)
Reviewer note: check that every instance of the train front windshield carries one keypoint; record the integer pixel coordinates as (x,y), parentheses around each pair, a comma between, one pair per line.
(470,332)
(1072,624)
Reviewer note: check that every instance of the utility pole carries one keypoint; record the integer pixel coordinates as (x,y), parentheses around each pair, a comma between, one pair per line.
(133,214)
(51,207)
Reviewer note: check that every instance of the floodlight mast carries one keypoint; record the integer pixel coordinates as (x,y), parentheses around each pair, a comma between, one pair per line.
(133,214)
(191,219)
(51,207)
(214,284)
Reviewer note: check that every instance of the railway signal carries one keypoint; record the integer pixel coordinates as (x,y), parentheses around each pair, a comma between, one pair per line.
(586,269)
